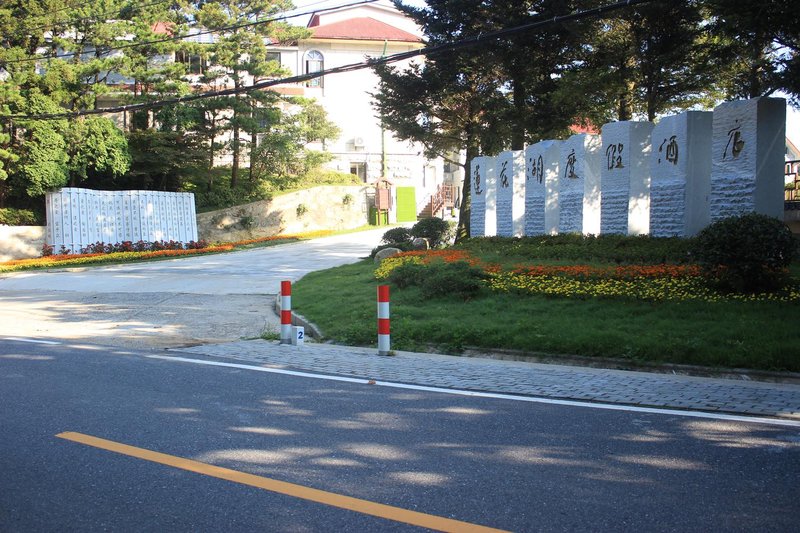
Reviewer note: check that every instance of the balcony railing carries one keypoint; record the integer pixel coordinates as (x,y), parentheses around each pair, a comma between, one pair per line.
(792,173)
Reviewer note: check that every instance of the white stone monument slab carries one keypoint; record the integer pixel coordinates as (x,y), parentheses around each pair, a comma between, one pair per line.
(680,174)
(747,153)
(483,206)
(510,172)
(625,178)
(579,185)
(541,188)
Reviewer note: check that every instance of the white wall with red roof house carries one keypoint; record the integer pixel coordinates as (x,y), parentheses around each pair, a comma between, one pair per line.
(347,36)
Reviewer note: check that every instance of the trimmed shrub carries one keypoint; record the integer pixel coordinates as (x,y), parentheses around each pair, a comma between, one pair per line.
(458,279)
(397,236)
(437,231)
(746,253)
(439,279)
(407,275)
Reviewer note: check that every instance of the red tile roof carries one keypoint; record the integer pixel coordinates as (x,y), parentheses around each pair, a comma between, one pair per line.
(362,29)
(162,28)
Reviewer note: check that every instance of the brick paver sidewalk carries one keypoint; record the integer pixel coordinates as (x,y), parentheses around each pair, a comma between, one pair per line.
(530,379)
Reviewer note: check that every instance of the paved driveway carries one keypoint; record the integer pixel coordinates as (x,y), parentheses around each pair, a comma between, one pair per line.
(168,303)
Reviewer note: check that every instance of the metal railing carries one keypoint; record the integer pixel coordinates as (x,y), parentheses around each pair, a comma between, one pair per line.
(792,173)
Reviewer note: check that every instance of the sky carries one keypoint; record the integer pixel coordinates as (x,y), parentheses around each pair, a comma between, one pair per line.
(792,115)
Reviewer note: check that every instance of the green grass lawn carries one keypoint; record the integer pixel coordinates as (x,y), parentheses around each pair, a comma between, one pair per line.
(758,335)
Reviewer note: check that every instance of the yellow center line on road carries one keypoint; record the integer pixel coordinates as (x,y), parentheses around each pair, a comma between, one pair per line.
(281,487)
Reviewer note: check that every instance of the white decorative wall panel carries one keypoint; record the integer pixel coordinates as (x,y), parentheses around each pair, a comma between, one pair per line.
(625,178)
(541,187)
(483,209)
(79,217)
(748,144)
(680,174)
(579,185)
(510,172)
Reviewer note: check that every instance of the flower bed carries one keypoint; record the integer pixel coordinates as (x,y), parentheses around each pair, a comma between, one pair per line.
(639,282)
(100,253)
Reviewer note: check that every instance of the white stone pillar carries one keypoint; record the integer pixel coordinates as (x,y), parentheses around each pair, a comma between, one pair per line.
(748,146)
(680,173)
(625,178)
(510,172)
(579,185)
(483,206)
(541,187)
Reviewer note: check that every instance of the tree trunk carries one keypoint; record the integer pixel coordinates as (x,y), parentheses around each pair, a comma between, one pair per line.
(235,148)
(462,231)
(518,130)
(236,134)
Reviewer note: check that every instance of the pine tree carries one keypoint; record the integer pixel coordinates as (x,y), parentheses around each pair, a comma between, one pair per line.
(239,56)
(648,60)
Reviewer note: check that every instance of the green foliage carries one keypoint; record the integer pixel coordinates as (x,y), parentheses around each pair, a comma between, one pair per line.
(397,236)
(281,159)
(43,159)
(439,279)
(18,217)
(162,160)
(576,247)
(746,253)
(438,232)
(301,210)
(98,149)
(406,274)
(647,60)
(324,176)
(458,279)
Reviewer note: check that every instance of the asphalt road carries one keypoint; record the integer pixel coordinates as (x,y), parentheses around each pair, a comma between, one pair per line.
(164,304)
(498,463)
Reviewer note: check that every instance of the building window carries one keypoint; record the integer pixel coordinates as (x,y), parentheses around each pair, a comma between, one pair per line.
(274,56)
(314,63)
(359,169)
(194,63)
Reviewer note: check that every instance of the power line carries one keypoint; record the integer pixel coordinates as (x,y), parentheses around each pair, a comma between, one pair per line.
(181,37)
(402,56)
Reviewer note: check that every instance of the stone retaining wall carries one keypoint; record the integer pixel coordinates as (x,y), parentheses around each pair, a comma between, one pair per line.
(21,242)
(321,208)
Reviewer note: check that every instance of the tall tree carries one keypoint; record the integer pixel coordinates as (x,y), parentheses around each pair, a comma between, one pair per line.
(647,60)
(452,103)
(533,63)
(282,154)
(762,38)
(239,55)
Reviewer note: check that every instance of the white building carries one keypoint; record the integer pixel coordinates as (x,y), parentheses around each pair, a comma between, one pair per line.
(348,36)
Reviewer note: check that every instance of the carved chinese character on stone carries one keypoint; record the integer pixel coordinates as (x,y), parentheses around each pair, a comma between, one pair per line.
(569,170)
(537,169)
(477,178)
(504,175)
(671,155)
(614,156)
(735,142)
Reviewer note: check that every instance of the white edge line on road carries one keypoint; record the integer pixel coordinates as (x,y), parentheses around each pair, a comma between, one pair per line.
(498,396)
(32,341)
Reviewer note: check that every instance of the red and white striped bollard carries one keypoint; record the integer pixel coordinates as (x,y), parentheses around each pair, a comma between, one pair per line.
(286,312)
(384,341)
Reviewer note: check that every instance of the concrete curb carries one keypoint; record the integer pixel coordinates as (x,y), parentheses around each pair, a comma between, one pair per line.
(311,329)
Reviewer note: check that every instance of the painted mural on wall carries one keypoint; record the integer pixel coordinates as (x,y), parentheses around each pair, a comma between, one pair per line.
(78,217)
(667,179)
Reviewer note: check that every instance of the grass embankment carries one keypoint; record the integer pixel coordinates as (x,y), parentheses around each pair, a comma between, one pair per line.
(678,320)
